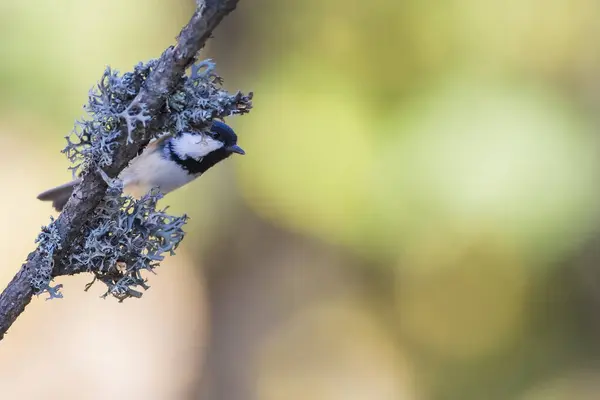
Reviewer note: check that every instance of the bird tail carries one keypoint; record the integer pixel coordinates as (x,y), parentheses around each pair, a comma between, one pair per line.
(60,194)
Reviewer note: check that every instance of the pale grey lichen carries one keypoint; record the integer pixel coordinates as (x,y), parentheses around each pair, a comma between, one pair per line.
(196,101)
(110,104)
(49,242)
(200,99)
(125,237)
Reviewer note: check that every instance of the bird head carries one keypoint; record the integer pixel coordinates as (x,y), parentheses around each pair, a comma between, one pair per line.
(222,133)
(198,151)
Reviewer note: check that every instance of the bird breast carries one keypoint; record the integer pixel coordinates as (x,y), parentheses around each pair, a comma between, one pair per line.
(151,169)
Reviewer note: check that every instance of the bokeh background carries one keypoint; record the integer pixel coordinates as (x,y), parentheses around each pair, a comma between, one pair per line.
(417,215)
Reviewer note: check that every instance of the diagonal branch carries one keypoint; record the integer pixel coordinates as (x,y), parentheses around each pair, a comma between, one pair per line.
(160,83)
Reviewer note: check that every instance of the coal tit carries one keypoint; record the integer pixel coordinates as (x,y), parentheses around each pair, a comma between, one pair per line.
(166,163)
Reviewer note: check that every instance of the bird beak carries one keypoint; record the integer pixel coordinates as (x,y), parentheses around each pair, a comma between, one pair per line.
(236,149)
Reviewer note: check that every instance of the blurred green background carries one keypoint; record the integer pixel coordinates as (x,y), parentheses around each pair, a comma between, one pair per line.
(416,217)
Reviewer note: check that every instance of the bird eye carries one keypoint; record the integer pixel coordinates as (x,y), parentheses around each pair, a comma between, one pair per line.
(213,134)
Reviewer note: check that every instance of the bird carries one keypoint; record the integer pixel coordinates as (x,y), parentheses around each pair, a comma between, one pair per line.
(167,163)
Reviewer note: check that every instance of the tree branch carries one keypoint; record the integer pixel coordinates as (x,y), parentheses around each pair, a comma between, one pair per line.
(159,85)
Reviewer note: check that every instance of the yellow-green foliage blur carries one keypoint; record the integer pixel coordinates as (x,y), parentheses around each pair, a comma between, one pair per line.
(416,217)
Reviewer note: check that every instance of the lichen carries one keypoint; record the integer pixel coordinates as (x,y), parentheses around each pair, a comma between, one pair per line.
(125,237)
(110,104)
(49,242)
(200,98)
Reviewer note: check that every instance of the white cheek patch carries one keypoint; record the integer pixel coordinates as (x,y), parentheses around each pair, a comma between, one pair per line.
(195,146)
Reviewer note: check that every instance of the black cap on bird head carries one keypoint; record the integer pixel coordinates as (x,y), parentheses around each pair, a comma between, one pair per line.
(219,132)
(224,133)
